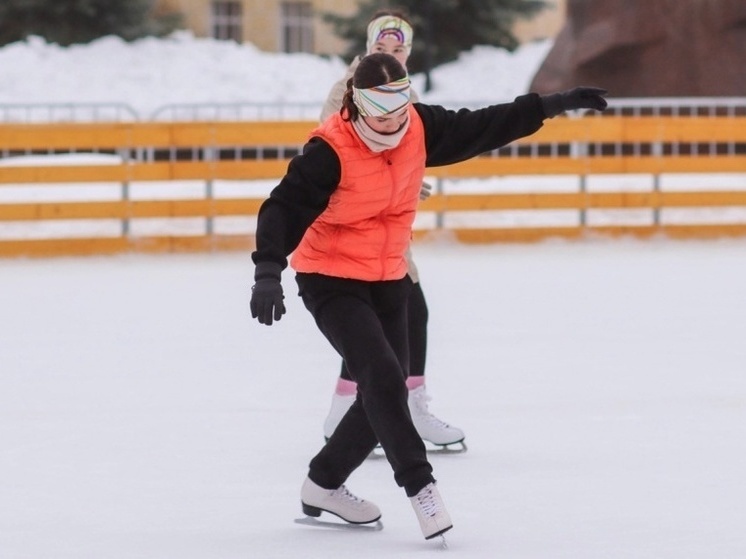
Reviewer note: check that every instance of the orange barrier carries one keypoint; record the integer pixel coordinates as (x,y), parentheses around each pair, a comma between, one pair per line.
(244,151)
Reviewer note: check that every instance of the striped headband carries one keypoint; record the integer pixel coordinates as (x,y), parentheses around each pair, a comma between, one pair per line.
(383,99)
(389,26)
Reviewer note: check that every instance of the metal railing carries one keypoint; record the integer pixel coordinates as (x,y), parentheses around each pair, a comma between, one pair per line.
(239,111)
(236,111)
(66,112)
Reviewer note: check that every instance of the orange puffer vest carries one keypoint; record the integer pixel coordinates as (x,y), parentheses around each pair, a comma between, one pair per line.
(366,228)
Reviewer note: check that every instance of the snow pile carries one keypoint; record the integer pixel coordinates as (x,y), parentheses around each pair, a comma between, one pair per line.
(150,73)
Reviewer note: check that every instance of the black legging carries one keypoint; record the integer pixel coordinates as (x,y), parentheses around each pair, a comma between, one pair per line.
(366,323)
(417,316)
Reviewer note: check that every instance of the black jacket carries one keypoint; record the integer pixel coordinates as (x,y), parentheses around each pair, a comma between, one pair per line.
(312,177)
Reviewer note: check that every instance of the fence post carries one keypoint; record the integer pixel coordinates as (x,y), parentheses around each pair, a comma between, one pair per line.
(580,150)
(124,153)
(440,214)
(583,216)
(656,209)
(209,155)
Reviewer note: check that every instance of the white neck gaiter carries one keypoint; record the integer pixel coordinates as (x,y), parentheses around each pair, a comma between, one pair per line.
(376,141)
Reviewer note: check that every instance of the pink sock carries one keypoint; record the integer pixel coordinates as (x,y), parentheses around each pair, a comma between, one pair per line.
(346,387)
(415,382)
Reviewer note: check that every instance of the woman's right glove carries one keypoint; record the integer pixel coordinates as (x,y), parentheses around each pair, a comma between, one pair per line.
(578,98)
(266,294)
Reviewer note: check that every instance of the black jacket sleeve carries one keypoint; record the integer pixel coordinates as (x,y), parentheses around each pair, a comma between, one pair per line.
(304,192)
(453,136)
(293,205)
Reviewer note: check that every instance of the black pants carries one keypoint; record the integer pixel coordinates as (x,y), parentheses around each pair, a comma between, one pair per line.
(417,315)
(366,322)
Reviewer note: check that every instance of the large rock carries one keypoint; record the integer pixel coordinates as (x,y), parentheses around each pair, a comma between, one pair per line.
(641,48)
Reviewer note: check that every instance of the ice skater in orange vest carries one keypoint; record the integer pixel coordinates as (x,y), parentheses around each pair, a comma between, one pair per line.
(345,210)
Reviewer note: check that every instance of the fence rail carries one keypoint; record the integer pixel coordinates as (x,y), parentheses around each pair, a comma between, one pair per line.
(26,113)
(707,152)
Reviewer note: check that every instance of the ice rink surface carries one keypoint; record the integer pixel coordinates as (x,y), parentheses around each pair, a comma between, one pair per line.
(601,385)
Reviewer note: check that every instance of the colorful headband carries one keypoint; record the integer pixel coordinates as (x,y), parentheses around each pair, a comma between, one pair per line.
(383,99)
(390,26)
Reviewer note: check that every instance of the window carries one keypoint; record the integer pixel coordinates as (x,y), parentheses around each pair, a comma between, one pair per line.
(227,20)
(296,22)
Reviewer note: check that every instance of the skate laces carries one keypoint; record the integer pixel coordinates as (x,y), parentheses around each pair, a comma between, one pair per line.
(344,493)
(427,502)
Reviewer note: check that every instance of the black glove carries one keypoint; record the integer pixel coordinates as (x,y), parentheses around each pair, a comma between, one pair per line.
(578,98)
(266,295)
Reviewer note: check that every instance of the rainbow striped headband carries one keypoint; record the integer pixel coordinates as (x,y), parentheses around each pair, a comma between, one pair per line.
(383,99)
(386,26)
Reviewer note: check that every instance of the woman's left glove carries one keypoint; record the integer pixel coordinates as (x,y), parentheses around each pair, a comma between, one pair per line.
(266,294)
(578,98)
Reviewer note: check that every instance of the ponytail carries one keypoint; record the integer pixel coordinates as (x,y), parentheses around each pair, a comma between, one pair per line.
(349,110)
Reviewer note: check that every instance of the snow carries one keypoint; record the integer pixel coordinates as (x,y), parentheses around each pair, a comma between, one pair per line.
(149,74)
(143,414)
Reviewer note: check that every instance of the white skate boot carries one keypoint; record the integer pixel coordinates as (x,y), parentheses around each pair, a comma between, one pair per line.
(431,512)
(340,405)
(340,502)
(430,428)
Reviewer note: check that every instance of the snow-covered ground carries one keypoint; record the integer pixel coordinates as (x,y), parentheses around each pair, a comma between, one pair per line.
(601,385)
(144,415)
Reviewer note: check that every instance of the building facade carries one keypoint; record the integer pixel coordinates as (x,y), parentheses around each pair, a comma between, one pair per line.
(546,25)
(271,25)
(298,26)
